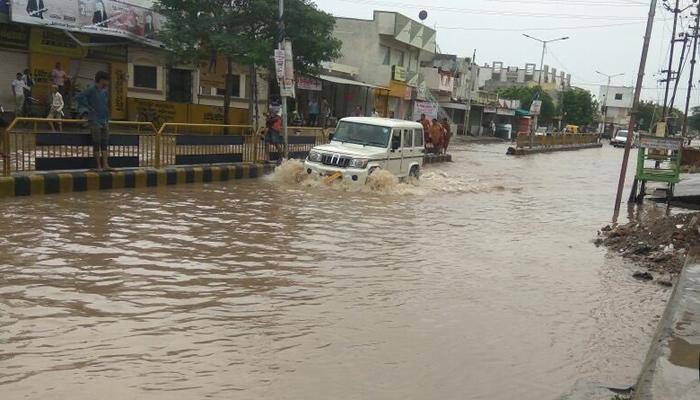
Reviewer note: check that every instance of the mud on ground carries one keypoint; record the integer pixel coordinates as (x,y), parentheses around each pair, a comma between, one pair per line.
(659,244)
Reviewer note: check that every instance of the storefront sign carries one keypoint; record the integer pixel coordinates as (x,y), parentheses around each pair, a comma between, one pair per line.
(490,110)
(398,73)
(308,83)
(423,107)
(536,107)
(14,36)
(104,17)
(55,42)
(157,112)
(117,90)
(654,142)
(505,111)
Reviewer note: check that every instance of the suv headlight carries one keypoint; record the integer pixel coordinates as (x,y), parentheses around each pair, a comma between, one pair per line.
(314,156)
(358,163)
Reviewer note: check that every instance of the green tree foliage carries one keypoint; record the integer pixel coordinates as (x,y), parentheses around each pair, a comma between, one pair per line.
(246,32)
(579,107)
(526,94)
(649,113)
(694,120)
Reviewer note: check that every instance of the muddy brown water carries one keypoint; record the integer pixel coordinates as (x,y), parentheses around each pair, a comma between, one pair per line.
(480,283)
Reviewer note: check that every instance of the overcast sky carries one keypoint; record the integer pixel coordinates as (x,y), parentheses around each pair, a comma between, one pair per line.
(605,35)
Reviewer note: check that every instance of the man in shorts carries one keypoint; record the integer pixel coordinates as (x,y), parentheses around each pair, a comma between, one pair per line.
(94,102)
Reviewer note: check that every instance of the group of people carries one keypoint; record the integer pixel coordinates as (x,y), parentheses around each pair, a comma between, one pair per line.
(437,134)
(22,87)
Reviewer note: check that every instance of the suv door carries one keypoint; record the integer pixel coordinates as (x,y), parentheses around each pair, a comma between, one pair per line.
(408,152)
(393,163)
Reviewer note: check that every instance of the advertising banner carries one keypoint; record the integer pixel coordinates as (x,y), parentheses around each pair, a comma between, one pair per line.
(105,17)
(308,83)
(423,107)
(536,107)
(212,73)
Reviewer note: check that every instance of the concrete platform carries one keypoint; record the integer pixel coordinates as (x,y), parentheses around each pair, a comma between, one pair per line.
(512,151)
(81,181)
(672,366)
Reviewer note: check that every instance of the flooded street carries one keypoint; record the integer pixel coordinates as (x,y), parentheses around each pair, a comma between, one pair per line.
(481,283)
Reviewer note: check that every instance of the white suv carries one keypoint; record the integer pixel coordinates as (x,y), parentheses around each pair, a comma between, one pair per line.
(360,145)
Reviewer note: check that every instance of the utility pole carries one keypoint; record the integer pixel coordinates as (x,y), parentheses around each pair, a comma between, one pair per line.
(676,11)
(539,79)
(282,36)
(605,100)
(467,118)
(678,72)
(692,70)
(635,108)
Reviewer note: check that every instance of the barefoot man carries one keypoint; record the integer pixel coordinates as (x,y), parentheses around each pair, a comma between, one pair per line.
(93,101)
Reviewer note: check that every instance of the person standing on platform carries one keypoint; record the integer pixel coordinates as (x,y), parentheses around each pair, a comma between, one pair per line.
(94,102)
(18,88)
(314,111)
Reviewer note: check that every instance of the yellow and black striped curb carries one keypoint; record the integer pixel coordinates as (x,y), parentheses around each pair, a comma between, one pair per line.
(65,182)
(437,158)
(512,151)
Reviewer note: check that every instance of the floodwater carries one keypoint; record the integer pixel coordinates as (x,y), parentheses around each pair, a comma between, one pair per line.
(480,283)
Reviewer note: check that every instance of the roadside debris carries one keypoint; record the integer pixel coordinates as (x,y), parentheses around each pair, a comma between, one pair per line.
(658,244)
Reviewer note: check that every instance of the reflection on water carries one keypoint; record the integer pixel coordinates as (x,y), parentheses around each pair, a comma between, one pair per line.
(477,283)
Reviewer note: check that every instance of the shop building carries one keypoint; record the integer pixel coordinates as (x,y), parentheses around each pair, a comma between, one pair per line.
(144,86)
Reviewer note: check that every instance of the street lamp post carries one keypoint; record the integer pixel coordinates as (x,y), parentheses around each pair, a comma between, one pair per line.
(539,79)
(605,99)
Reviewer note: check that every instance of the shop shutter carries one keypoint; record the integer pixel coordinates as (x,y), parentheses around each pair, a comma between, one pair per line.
(12,63)
(84,72)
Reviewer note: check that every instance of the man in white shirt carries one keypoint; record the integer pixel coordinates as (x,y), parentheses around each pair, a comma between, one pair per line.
(18,87)
(56,110)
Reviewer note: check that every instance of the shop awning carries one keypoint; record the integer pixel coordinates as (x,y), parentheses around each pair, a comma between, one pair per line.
(344,81)
(454,106)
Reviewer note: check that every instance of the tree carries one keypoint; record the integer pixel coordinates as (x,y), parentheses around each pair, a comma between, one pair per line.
(650,113)
(694,120)
(526,94)
(246,32)
(579,107)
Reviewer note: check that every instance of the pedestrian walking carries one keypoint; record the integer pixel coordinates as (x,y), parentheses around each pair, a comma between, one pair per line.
(18,87)
(29,81)
(56,110)
(375,114)
(357,112)
(314,111)
(493,128)
(94,103)
(273,135)
(447,129)
(59,77)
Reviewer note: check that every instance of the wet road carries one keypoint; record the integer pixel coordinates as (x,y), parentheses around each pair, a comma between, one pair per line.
(482,283)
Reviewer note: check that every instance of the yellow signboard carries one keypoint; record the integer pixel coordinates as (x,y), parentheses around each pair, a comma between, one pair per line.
(398,73)
(117,90)
(156,111)
(56,42)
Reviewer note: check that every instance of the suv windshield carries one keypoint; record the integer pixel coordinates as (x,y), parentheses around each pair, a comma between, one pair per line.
(368,135)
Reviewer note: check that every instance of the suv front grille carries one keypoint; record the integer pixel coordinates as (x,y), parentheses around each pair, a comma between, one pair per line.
(335,160)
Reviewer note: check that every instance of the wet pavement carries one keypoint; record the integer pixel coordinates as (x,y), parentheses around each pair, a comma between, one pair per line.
(479,283)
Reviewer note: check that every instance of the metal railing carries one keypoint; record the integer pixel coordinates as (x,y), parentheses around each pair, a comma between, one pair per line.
(557,140)
(32,144)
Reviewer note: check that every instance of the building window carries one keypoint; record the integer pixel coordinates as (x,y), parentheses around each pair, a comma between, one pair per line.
(618,96)
(385,55)
(179,85)
(397,57)
(235,87)
(145,76)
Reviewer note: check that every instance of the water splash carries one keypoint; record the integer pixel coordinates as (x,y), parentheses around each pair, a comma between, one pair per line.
(292,172)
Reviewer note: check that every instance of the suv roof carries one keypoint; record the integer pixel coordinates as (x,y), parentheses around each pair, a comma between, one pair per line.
(389,123)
